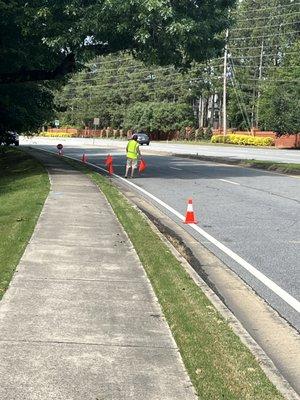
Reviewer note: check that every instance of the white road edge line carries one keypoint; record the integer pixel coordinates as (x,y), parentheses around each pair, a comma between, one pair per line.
(290,300)
(178,169)
(225,180)
(294,303)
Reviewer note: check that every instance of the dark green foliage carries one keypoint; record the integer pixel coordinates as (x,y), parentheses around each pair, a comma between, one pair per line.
(25,107)
(46,40)
(260,42)
(110,88)
(280,101)
(156,117)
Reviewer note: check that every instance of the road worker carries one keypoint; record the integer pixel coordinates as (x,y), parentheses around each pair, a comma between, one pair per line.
(133,153)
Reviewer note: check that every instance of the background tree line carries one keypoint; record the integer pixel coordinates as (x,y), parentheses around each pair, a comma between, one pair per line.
(43,42)
(263,81)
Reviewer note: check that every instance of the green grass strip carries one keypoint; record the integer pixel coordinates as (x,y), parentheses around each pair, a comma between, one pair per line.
(286,168)
(219,364)
(24,186)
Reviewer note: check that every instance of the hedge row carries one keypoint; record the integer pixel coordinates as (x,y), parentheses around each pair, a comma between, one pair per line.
(58,134)
(100,133)
(243,140)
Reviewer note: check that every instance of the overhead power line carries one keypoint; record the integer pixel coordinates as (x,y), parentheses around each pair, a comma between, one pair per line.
(278,7)
(125,89)
(265,26)
(252,66)
(127,68)
(249,47)
(124,85)
(91,63)
(127,83)
(259,83)
(263,36)
(281,16)
(272,79)
(142,67)
(128,79)
(123,73)
(283,53)
(146,71)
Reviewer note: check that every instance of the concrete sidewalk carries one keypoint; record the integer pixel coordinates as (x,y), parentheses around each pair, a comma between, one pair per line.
(80,320)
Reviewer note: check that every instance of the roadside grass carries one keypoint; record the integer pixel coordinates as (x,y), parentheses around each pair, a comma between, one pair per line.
(219,364)
(286,168)
(24,186)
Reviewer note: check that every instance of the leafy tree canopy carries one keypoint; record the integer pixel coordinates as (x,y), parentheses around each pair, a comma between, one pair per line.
(111,85)
(262,70)
(280,100)
(260,41)
(44,40)
(159,117)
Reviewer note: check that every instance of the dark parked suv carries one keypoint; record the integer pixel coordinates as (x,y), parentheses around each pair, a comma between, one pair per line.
(9,138)
(143,139)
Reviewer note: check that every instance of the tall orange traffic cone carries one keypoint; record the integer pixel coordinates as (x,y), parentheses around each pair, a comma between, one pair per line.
(108,160)
(190,217)
(84,158)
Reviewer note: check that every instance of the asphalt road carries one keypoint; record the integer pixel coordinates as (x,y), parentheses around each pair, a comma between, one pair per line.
(234,152)
(255,214)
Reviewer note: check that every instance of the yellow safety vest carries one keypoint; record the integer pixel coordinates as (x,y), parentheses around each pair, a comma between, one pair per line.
(132,149)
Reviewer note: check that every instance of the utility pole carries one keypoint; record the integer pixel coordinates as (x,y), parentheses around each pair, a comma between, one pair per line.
(225,85)
(199,111)
(259,79)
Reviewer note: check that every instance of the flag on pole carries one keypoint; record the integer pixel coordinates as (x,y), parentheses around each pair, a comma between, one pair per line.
(142,165)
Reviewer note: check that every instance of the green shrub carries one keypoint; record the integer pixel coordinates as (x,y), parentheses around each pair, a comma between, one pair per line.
(57,134)
(207,134)
(219,139)
(243,140)
(158,117)
(199,134)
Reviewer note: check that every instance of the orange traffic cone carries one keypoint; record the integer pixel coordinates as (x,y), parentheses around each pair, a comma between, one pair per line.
(108,160)
(110,169)
(84,158)
(142,165)
(190,217)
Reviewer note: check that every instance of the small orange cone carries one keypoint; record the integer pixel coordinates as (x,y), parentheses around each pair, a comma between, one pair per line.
(84,158)
(190,217)
(142,165)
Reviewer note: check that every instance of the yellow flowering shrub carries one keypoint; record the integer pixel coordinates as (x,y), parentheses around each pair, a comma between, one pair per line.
(243,140)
